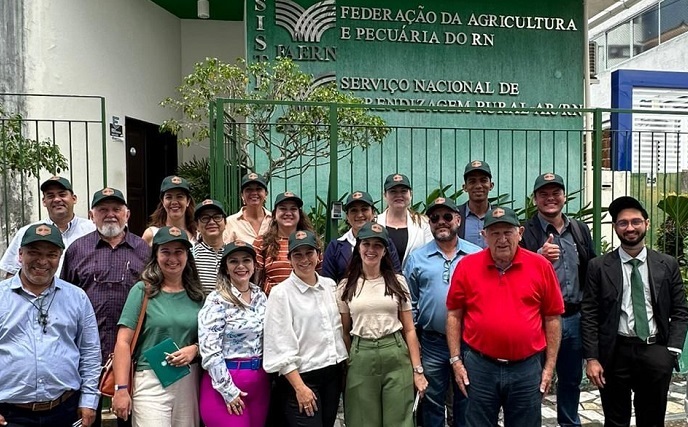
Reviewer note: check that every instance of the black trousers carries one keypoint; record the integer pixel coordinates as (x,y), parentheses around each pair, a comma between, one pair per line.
(63,415)
(326,384)
(643,369)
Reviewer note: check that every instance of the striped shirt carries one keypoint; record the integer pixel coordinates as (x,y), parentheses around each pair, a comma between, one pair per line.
(273,270)
(207,262)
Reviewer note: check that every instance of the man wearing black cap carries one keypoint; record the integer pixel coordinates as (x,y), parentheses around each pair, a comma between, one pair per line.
(567,244)
(253,219)
(504,303)
(106,263)
(477,183)
(634,320)
(49,349)
(59,200)
(428,271)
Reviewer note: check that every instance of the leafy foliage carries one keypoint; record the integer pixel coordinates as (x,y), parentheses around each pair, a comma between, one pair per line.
(672,234)
(197,172)
(24,155)
(292,137)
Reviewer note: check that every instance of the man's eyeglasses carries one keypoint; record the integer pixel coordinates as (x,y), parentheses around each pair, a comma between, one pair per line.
(635,222)
(206,218)
(447,217)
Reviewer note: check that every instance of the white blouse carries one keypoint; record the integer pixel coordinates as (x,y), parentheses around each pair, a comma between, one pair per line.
(303,328)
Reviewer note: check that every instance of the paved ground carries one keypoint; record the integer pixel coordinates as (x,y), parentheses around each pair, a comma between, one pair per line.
(590,409)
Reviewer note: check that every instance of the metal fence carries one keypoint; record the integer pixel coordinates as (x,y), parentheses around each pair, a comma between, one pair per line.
(74,124)
(434,158)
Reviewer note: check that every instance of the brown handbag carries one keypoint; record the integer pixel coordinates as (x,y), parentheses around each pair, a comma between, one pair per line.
(107,376)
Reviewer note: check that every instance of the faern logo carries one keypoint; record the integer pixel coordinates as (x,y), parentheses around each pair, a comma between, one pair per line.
(306,25)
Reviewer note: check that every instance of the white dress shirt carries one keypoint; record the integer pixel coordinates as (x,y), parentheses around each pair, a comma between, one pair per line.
(303,328)
(627,322)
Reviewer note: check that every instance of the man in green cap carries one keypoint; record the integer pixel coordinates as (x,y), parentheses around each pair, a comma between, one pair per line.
(567,244)
(477,183)
(49,347)
(505,305)
(59,200)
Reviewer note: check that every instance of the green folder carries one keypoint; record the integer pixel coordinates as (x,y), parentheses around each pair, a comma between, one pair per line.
(157,358)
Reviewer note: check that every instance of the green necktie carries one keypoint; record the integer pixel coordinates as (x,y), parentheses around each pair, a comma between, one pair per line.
(642,327)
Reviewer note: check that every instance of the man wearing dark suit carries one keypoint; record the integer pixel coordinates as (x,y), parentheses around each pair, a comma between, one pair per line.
(634,320)
(477,183)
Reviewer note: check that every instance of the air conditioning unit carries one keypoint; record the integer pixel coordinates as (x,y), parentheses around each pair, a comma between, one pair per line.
(592,60)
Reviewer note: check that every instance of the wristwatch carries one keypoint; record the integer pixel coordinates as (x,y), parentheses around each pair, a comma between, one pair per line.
(418,369)
(121,387)
(454,359)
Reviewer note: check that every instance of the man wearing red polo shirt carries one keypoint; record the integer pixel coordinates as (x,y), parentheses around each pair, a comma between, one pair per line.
(506,304)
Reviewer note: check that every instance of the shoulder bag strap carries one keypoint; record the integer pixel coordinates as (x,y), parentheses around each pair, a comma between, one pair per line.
(144,305)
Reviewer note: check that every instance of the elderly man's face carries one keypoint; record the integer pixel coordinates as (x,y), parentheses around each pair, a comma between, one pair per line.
(502,239)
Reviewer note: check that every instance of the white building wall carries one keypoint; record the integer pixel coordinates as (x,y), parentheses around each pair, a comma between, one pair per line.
(225,40)
(128,51)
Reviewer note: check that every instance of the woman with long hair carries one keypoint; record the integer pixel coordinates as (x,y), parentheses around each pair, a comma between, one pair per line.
(359,208)
(384,355)
(235,390)
(303,339)
(408,229)
(272,259)
(175,296)
(175,209)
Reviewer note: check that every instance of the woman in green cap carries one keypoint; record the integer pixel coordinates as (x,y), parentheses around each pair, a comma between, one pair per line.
(384,354)
(176,208)
(172,294)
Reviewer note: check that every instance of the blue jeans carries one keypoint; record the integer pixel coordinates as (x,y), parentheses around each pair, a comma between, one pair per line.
(515,388)
(569,372)
(439,373)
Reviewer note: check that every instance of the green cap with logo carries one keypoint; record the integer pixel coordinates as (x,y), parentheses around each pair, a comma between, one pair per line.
(236,246)
(373,230)
(57,180)
(547,179)
(173,182)
(288,196)
(43,233)
(359,196)
(253,178)
(477,166)
(303,238)
(501,215)
(107,193)
(209,204)
(169,234)
(397,179)
(442,202)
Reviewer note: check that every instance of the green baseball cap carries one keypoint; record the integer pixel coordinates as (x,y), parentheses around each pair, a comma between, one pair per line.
(359,196)
(547,179)
(43,233)
(397,179)
(373,230)
(208,204)
(442,202)
(288,196)
(173,182)
(171,234)
(303,238)
(501,215)
(59,181)
(236,246)
(107,193)
(477,166)
(253,178)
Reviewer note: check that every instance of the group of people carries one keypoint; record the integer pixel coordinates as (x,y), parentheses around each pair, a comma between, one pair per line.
(460,308)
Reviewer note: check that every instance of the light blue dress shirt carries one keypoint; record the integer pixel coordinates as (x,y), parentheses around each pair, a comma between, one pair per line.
(38,366)
(428,274)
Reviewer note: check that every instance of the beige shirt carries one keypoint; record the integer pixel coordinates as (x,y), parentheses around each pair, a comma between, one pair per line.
(373,314)
(239,228)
